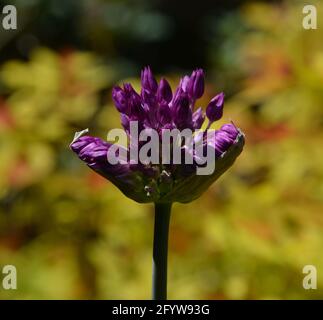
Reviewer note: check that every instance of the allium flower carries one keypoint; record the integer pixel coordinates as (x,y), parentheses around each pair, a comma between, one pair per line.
(156,107)
(157,110)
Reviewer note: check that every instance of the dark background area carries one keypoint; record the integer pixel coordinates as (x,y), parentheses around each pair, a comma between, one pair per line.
(165,34)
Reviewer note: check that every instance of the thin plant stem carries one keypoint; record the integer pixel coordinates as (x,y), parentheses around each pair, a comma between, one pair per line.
(160,250)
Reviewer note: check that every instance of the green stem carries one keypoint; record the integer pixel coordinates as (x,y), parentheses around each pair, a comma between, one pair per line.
(162,217)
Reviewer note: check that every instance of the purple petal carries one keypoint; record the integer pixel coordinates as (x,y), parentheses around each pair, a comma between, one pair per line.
(230,130)
(120,99)
(148,81)
(195,87)
(93,151)
(164,114)
(198,118)
(164,91)
(182,113)
(184,83)
(214,110)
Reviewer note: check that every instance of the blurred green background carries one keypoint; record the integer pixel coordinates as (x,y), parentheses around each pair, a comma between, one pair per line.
(73,235)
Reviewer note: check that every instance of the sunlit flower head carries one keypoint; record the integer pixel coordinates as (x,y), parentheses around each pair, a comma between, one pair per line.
(157,108)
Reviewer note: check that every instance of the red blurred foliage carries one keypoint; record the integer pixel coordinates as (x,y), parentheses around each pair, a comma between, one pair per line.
(95,181)
(274,133)
(6,119)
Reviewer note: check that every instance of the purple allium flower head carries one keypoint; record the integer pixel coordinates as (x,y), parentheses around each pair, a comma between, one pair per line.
(214,110)
(157,109)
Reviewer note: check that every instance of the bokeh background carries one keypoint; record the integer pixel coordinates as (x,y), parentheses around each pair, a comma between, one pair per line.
(73,235)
